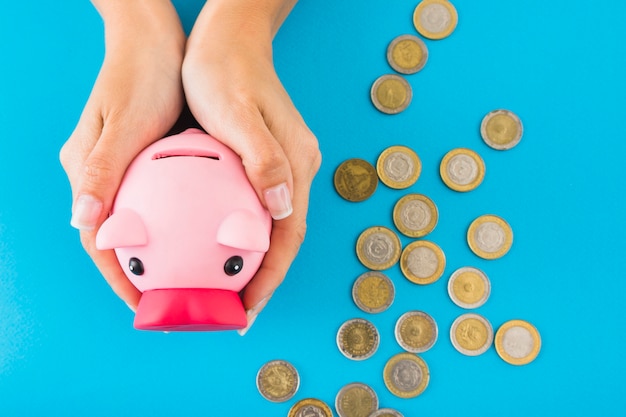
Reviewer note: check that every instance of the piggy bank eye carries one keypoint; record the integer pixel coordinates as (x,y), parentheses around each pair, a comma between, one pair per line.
(136,266)
(233,265)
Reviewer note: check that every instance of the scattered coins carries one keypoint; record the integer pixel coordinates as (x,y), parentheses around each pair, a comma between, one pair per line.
(391,94)
(406,375)
(277,381)
(373,292)
(462,169)
(517,342)
(407,54)
(310,407)
(422,262)
(356,400)
(469,287)
(416,331)
(357,339)
(378,248)
(398,167)
(471,334)
(435,19)
(355,179)
(501,129)
(415,215)
(490,237)
(386,412)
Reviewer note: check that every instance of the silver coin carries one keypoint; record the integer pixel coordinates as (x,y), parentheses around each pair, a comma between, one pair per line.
(356,400)
(373,292)
(469,287)
(416,331)
(471,334)
(435,18)
(490,237)
(386,412)
(378,248)
(501,129)
(358,339)
(278,380)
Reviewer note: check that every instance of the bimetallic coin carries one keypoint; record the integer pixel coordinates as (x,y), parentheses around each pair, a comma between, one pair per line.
(277,381)
(398,167)
(422,262)
(415,215)
(406,375)
(469,287)
(501,129)
(378,248)
(416,331)
(310,407)
(471,334)
(517,342)
(358,339)
(435,19)
(373,292)
(407,54)
(355,180)
(391,94)
(356,400)
(386,412)
(462,169)
(490,237)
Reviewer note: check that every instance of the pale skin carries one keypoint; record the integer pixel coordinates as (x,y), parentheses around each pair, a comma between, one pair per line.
(225,72)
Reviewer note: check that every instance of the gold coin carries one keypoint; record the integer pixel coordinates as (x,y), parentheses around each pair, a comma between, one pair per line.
(310,407)
(416,331)
(406,375)
(415,215)
(471,334)
(501,129)
(462,169)
(358,339)
(469,287)
(355,179)
(386,412)
(435,19)
(373,292)
(391,94)
(356,400)
(398,167)
(490,237)
(422,262)
(277,381)
(378,248)
(407,54)
(518,342)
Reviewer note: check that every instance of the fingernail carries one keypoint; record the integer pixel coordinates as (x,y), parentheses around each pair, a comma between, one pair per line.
(86,212)
(278,201)
(252,314)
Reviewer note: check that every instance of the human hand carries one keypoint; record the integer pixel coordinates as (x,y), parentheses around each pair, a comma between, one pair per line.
(135,100)
(234,92)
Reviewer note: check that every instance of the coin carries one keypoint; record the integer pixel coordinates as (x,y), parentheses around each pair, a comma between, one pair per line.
(415,215)
(310,407)
(469,287)
(406,375)
(355,179)
(398,167)
(407,54)
(386,412)
(501,129)
(462,169)
(357,339)
(517,342)
(373,292)
(435,19)
(422,262)
(391,93)
(277,381)
(471,334)
(416,331)
(378,248)
(356,400)
(490,237)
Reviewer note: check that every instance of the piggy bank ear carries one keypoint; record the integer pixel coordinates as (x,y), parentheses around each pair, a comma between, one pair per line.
(242,229)
(122,229)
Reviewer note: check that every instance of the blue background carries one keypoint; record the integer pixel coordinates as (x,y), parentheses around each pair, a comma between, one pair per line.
(67,346)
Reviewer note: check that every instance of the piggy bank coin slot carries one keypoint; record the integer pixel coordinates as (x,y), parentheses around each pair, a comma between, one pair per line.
(201,153)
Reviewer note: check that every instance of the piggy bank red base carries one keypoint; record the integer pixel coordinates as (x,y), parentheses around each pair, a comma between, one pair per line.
(189,232)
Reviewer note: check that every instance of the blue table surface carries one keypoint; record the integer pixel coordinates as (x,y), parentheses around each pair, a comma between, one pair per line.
(67,345)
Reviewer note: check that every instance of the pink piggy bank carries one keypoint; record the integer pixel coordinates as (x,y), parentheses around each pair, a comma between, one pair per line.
(189,232)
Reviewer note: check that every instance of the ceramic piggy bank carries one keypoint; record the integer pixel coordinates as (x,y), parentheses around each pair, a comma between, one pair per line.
(189,232)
